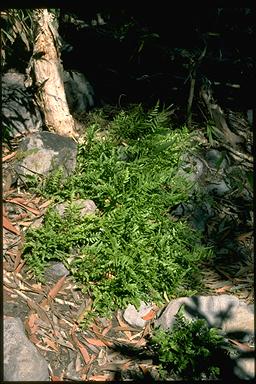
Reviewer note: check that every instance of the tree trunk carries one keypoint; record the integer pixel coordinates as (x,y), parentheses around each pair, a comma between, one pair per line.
(47,73)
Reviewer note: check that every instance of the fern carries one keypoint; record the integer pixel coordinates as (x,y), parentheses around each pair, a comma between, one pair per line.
(119,254)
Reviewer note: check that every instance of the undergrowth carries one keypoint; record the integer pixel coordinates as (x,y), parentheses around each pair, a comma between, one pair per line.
(129,250)
(190,350)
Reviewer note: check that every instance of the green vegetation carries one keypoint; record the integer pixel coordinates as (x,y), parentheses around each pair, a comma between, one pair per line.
(191,350)
(129,250)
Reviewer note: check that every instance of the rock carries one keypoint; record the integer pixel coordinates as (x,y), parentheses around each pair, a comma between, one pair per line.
(192,168)
(197,213)
(200,215)
(227,312)
(215,159)
(86,207)
(218,187)
(224,311)
(37,222)
(79,92)
(41,153)
(245,368)
(134,317)
(20,114)
(55,271)
(22,361)
(9,177)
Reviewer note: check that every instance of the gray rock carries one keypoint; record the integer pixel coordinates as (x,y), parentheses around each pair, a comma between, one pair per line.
(218,187)
(192,168)
(134,317)
(55,271)
(41,153)
(215,159)
(200,216)
(79,92)
(20,114)
(22,360)
(86,207)
(224,311)
(245,368)
(197,214)
(227,312)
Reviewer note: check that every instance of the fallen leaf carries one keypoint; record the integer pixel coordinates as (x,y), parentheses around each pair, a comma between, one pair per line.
(50,343)
(45,204)
(81,347)
(20,266)
(223,289)
(144,369)
(41,312)
(19,253)
(96,342)
(136,335)
(56,288)
(241,346)
(94,327)
(78,365)
(8,225)
(23,203)
(84,352)
(100,377)
(150,315)
(34,339)
(66,344)
(106,330)
(32,323)
(20,216)
(116,365)
(25,223)
(244,236)
(55,378)
(119,319)
(8,157)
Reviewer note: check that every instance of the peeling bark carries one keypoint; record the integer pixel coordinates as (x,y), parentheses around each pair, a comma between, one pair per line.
(46,74)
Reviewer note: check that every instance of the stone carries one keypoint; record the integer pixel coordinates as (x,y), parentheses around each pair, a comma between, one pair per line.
(224,311)
(22,360)
(245,368)
(134,317)
(87,207)
(20,114)
(55,271)
(79,92)
(43,152)
(192,168)
(215,159)
(234,317)
(218,187)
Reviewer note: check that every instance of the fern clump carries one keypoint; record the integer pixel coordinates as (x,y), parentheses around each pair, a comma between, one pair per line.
(130,250)
(191,350)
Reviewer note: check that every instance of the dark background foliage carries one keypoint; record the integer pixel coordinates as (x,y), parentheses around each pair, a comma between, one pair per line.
(148,52)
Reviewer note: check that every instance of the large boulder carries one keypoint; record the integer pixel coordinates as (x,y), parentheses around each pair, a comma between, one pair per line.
(79,92)
(22,360)
(234,317)
(20,115)
(224,311)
